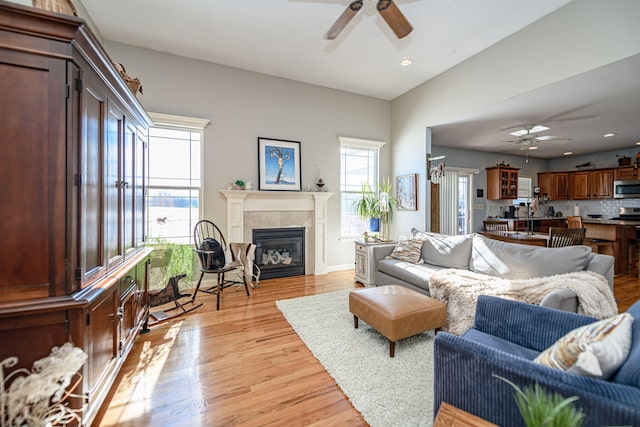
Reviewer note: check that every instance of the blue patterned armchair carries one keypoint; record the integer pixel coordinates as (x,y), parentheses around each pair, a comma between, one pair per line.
(507,336)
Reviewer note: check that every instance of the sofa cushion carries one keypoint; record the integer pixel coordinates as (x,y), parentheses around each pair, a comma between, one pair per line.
(407,250)
(444,250)
(500,344)
(629,372)
(595,350)
(416,274)
(516,261)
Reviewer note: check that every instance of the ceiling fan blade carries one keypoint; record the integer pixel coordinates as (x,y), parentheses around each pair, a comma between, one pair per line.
(343,19)
(552,138)
(394,18)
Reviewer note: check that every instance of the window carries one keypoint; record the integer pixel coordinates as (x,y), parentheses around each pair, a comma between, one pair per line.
(174,185)
(359,160)
(525,190)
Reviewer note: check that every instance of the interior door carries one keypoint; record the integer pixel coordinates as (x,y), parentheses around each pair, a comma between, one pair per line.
(435,207)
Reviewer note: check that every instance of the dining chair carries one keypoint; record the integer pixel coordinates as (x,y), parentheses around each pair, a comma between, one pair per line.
(495,225)
(560,237)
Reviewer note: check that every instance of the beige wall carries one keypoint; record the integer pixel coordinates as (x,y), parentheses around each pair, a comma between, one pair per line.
(579,37)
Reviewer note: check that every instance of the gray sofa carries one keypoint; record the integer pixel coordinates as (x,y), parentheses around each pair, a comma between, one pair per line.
(477,253)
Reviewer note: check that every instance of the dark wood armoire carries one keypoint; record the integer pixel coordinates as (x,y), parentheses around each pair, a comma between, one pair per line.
(73,261)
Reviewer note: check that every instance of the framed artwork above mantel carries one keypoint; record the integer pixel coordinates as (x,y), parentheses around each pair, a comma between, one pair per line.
(279,164)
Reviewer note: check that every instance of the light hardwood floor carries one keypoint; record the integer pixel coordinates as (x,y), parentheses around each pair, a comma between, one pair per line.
(242,365)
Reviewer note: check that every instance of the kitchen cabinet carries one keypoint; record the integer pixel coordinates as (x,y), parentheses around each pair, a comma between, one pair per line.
(502,183)
(594,184)
(626,173)
(555,185)
(560,186)
(540,225)
(73,263)
(580,188)
(602,184)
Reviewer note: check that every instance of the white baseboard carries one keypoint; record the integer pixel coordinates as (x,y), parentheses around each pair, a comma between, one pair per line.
(332,268)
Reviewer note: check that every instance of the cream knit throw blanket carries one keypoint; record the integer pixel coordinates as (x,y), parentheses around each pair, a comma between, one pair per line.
(459,290)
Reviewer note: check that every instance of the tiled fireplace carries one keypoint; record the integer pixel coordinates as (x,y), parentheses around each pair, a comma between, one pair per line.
(248,210)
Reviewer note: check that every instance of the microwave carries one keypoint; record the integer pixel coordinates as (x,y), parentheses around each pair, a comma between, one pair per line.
(626,189)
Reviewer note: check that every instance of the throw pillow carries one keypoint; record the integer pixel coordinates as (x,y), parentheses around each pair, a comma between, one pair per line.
(594,350)
(407,250)
(446,251)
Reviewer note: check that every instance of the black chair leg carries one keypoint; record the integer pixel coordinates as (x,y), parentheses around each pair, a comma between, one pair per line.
(195,292)
(219,290)
(246,285)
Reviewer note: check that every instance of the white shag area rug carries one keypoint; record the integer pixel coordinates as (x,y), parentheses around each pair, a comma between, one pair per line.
(387,391)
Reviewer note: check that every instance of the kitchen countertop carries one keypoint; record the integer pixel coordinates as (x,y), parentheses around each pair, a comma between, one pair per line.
(602,221)
(535,218)
(612,222)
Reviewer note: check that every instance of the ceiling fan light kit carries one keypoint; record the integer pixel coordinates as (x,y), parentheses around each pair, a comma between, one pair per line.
(387,9)
(529,129)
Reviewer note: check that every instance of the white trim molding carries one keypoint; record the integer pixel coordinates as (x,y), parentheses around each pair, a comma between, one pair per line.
(161,119)
(241,201)
(355,142)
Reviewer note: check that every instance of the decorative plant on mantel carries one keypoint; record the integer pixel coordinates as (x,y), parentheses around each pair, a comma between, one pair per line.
(39,397)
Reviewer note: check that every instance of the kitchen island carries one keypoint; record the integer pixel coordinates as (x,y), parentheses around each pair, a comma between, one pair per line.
(620,231)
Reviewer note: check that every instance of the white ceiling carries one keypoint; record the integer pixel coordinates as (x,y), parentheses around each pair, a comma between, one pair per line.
(285,38)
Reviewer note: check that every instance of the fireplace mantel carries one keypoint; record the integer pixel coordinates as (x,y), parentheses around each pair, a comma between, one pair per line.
(241,201)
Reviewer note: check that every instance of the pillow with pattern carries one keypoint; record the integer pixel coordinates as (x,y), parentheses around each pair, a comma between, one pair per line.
(595,350)
(407,250)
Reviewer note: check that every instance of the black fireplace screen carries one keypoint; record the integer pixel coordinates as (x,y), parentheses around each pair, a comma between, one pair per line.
(279,251)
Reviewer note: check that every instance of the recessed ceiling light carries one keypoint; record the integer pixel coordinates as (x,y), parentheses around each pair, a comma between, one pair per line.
(638,143)
(529,129)
(567,153)
(609,135)
(533,148)
(406,62)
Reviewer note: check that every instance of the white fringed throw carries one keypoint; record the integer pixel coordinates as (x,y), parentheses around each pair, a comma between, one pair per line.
(459,290)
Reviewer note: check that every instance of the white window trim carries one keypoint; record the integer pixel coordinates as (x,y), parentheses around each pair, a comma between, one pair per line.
(161,119)
(186,123)
(349,142)
(356,142)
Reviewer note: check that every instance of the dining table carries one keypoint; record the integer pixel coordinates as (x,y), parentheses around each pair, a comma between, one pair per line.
(522,237)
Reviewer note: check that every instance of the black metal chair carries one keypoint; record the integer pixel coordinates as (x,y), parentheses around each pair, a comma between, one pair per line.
(211,247)
(560,237)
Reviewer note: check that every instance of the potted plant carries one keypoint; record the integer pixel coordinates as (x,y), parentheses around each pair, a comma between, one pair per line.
(377,206)
(367,207)
(540,408)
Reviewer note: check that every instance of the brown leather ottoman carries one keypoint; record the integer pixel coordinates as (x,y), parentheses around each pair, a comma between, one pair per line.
(396,312)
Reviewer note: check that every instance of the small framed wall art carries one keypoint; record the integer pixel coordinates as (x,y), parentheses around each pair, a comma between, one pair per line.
(279,164)
(406,192)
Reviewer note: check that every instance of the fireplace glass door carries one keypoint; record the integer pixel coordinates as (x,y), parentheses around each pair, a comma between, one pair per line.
(279,251)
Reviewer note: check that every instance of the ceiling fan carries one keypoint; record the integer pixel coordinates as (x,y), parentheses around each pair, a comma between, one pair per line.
(387,9)
(528,136)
